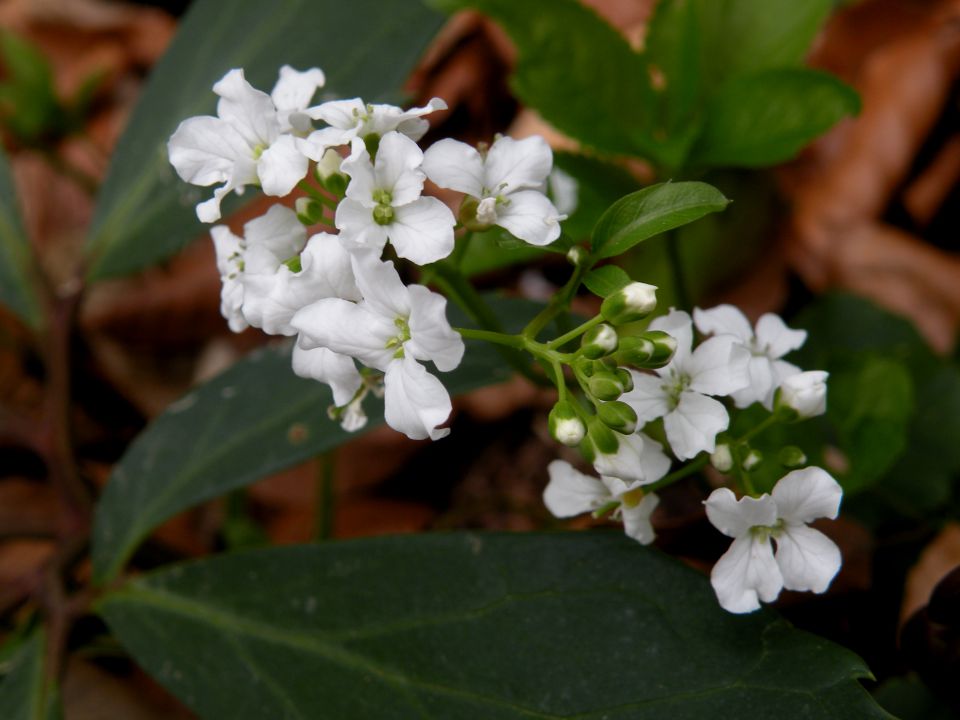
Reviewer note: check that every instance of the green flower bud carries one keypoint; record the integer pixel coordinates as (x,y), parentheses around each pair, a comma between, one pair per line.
(792,457)
(328,173)
(626,379)
(648,350)
(599,341)
(630,303)
(565,425)
(576,255)
(618,416)
(605,385)
(585,367)
(308,210)
(752,459)
(600,440)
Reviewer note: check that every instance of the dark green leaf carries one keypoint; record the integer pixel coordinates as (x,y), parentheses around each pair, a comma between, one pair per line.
(651,211)
(254,419)
(17,290)
(498,627)
(743,36)
(488,252)
(145,213)
(578,72)
(25,691)
(29,107)
(769,116)
(606,280)
(909,699)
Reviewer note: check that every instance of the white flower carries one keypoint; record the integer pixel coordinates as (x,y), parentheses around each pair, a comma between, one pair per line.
(229,249)
(769,342)
(805,558)
(507,182)
(570,493)
(246,144)
(391,329)
(337,371)
(349,119)
(678,392)
(639,460)
(384,202)
(805,393)
(291,95)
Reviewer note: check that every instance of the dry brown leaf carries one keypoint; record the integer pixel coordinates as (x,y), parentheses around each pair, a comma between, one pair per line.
(936,561)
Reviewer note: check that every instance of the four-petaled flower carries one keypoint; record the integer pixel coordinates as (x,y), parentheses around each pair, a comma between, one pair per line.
(767,344)
(507,182)
(805,559)
(678,392)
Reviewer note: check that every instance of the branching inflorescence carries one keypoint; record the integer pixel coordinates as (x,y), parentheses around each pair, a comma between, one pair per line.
(362,331)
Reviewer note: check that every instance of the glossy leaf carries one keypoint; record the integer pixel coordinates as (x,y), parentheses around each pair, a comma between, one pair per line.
(578,72)
(606,280)
(651,211)
(145,213)
(254,419)
(767,117)
(492,626)
(25,693)
(17,291)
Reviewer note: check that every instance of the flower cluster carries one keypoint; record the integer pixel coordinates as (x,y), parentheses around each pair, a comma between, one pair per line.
(333,291)
(659,375)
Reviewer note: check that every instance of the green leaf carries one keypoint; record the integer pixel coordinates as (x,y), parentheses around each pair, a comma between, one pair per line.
(145,213)
(769,116)
(493,626)
(17,290)
(492,250)
(25,692)
(572,66)
(743,36)
(651,211)
(29,107)
(606,280)
(254,419)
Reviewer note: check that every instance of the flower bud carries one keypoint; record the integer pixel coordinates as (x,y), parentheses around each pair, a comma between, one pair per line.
(309,211)
(618,416)
(648,350)
(585,367)
(625,378)
(803,395)
(752,459)
(600,440)
(328,173)
(605,385)
(791,457)
(599,341)
(565,425)
(576,255)
(722,458)
(630,303)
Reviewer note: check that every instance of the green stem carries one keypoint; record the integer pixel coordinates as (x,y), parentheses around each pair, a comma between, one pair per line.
(770,421)
(676,268)
(606,508)
(498,338)
(575,333)
(315,193)
(557,304)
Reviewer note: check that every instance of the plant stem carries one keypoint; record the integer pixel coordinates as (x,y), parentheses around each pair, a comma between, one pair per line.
(575,333)
(490,336)
(686,471)
(559,302)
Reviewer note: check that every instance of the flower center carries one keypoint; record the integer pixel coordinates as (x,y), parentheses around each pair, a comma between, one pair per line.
(674,386)
(403,334)
(762,533)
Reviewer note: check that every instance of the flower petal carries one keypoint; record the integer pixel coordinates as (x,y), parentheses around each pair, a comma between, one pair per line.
(348,329)
(456,166)
(422,231)
(775,338)
(719,366)
(337,371)
(358,231)
(381,287)
(761,385)
(271,239)
(807,494)
(431,337)
(734,517)
(295,89)
(250,111)
(513,165)
(570,492)
(648,398)
(530,216)
(745,574)
(638,460)
(723,320)
(693,425)
(808,559)
(203,150)
(415,402)
(678,324)
(397,168)
(281,166)
(636,519)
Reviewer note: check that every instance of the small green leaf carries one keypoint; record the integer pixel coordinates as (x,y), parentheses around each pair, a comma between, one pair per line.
(26,693)
(606,280)
(493,626)
(254,419)
(17,289)
(651,211)
(144,212)
(769,116)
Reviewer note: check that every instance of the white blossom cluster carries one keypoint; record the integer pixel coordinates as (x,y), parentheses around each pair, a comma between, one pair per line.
(333,291)
(745,364)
